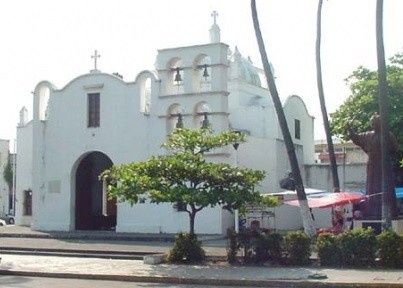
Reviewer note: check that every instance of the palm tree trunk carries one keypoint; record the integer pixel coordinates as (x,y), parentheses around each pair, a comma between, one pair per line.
(383,102)
(332,157)
(305,213)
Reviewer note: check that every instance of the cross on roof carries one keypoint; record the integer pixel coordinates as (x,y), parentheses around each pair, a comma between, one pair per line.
(214,14)
(95,57)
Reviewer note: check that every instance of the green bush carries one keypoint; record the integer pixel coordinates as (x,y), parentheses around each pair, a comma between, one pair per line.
(401,251)
(328,249)
(186,249)
(260,248)
(257,247)
(245,242)
(232,246)
(297,248)
(275,247)
(389,249)
(358,247)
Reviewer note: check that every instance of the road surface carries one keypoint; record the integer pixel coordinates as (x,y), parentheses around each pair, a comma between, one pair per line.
(39,282)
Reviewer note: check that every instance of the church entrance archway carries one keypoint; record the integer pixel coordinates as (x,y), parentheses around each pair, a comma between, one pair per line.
(93,211)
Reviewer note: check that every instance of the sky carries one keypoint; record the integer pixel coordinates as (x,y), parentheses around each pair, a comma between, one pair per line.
(54,40)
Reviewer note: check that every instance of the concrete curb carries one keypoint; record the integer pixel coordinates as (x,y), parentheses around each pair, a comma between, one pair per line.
(76,255)
(289,283)
(87,251)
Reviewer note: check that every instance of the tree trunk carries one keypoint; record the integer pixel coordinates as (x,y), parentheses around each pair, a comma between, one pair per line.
(305,213)
(192,216)
(332,157)
(387,187)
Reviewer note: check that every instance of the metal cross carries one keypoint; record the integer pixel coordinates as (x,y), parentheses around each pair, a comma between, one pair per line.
(214,15)
(95,57)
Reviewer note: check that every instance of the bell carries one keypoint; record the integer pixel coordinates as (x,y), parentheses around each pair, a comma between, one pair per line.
(205,72)
(179,124)
(178,77)
(205,122)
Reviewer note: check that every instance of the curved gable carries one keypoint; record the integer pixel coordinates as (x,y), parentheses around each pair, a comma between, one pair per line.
(299,100)
(89,75)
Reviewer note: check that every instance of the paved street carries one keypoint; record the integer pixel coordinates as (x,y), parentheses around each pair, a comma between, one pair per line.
(138,271)
(38,282)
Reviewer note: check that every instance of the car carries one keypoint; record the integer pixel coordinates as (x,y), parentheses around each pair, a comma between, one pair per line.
(2,223)
(8,219)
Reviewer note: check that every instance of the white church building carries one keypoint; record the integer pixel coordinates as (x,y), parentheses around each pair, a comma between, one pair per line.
(97,120)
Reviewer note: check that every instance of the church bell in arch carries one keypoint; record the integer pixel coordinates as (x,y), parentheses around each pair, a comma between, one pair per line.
(205,72)
(178,77)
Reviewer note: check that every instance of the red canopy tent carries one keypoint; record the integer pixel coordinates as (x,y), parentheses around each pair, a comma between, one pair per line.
(332,200)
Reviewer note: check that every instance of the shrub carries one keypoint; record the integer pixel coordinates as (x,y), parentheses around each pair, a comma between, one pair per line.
(245,243)
(232,246)
(389,249)
(358,247)
(257,247)
(401,251)
(260,248)
(275,246)
(329,252)
(297,248)
(186,249)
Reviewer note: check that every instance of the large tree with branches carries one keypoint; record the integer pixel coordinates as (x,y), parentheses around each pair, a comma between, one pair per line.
(184,175)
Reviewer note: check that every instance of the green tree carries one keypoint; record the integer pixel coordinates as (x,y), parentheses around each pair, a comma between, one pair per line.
(296,173)
(332,156)
(363,101)
(8,173)
(184,176)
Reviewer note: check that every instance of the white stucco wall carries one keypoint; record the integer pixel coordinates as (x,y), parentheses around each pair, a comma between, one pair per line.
(295,108)
(287,217)
(260,154)
(163,218)
(352,176)
(24,172)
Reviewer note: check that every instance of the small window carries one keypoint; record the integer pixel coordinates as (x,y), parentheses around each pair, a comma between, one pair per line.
(297,125)
(27,202)
(93,110)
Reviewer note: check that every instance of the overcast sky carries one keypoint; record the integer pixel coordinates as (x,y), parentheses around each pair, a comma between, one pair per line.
(53,40)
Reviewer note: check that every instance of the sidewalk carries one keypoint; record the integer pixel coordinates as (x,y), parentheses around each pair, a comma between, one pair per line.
(27,232)
(214,248)
(19,237)
(132,270)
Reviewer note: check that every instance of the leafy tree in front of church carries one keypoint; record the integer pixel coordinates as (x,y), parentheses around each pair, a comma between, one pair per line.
(8,173)
(185,178)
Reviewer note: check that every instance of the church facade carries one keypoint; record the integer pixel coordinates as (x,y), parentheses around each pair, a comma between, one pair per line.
(98,120)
